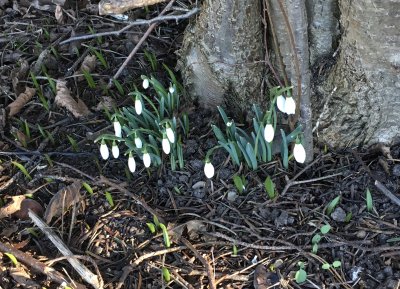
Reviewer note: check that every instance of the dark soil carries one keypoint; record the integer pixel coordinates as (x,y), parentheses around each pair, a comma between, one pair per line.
(206,219)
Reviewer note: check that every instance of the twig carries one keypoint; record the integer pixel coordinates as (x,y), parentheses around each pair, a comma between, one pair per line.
(104,180)
(387,193)
(210,273)
(138,45)
(36,265)
(131,24)
(82,270)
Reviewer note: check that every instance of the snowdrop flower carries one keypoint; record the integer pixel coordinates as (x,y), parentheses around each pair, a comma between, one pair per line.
(171,89)
(115,150)
(166,146)
(299,153)
(269,132)
(290,105)
(131,163)
(209,169)
(146,159)
(138,106)
(138,142)
(170,134)
(117,128)
(104,150)
(146,83)
(280,103)
(229,124)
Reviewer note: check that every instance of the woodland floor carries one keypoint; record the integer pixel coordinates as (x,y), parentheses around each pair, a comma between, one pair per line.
(271,236)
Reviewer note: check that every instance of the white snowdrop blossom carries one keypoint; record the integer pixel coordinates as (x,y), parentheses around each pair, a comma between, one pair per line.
(104,151)
(166,146)
(138,106)
(138,142)
(209,170)
(229,124)
(170,134)
(280,103)
(131,163)
(299,153)
(290,105)
(269,132)
(171,89)
(117,128)
(115,150)
(146,159)
(146,83)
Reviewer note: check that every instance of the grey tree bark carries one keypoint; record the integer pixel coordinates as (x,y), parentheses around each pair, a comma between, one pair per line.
(365,108)
(221,54)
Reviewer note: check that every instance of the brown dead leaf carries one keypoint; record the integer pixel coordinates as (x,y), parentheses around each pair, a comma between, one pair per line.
(65,198)
(264,279)
(88,65)
(64,99)
(20,101)
(19,73)
(8,231)
(12,207)
(105,102)
(26,205)
(59,15)
(23,278)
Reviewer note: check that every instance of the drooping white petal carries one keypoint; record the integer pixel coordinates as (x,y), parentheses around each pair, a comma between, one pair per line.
(170,134)
(146,83)
(290,105)
(115,151)
(209,170)
(171,89)
(280,103)
(299,153)
(269,133)
(166,146)
(131,164)
(138,106)
(229,124)
(146,160)
(138,142)
(117,129)
(104,151)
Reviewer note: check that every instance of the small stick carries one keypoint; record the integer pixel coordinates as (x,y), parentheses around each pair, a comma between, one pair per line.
(131,24)
(36,265)
(387,193)
(210,273)
(82,270)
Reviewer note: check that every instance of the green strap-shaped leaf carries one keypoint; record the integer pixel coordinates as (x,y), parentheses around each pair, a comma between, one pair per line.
(223,114)
(252,156)
(244,153)
(284,151)
(218,133)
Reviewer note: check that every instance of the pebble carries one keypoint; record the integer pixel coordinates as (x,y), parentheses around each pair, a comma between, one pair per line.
(361,234)
(388,271)
(396,170)
(339,215)
(232,196)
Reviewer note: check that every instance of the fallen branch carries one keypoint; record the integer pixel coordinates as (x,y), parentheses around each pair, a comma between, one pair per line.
(131,24)
(82,270)
(387,193)
(38,266)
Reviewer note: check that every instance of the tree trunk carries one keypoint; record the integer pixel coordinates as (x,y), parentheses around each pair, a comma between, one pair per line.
(221,54)
(365,108)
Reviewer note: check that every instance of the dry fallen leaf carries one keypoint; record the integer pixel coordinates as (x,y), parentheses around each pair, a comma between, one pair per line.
(88,65)
(105,102)
(19,73)
(59,14)
(20,101)
(26,205)
(23,278)
(12,207)
(65,198)
(64,99)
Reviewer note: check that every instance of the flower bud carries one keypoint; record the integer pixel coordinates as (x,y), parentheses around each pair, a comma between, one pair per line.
(269,132)
(117,128)
(138,106)
(131,163)
(115,150)
(280,103)
(146,83)
(104,151)
(146,159)
(299,153)
(290,105)
(209,170)
(170,134)
(166,146)
(138,142)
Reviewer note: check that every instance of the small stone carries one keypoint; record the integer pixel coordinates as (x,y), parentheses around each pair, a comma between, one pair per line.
(232,196)
(282,220)
(396,170)
(339,215)
(361,234)
(388,271)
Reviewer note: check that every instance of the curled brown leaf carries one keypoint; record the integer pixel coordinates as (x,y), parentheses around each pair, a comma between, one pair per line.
(65,198)
(64,99)
(12,207)
(20,101)
(88,65)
